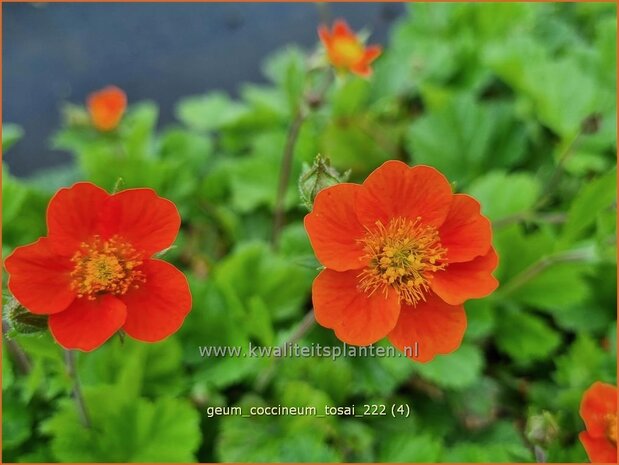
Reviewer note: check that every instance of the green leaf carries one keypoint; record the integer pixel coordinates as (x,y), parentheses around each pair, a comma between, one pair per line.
(334,377)
(259,321)
(525,337)
(350,97)
(52,179)
(286,68)
(355,143)
(215,321)
(592,198)
(11,134)
(464,138)
(559,286)
(271,439)
(16,420)
(208,112)
(149,370)
(407,448)
(584,362)
(457,370)
(524,64)
(283,286)
(137,129)
(503,195)
(124,429)
(481,318)
(380,375)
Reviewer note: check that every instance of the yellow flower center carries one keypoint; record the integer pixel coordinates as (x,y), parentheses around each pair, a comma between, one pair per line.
(347,50)
(105,267)
(402,256)
(611,427)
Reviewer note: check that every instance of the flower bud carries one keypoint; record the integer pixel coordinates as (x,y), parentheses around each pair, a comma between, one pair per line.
(316,177)
(21,321)
(542,430)
(75,116)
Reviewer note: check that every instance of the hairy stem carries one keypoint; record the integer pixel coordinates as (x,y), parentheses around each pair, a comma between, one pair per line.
(22,362)
(312,100)
(284,176)
(82,411)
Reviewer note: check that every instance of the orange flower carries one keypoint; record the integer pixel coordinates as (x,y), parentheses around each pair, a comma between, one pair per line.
(598,409)
(106,107)
(95,274)
(402,254)
(346,51)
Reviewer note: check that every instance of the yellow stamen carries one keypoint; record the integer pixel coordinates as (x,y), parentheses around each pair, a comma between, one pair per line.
(105,267)
(402,256)
(348,50)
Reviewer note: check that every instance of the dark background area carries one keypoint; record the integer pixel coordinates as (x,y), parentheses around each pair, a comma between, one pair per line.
(61,52)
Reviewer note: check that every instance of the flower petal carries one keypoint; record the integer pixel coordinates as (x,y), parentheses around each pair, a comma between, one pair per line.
(355,317)
(599,450)
(362,69)
(341,29)
(73,216)
(158,307)
(465,234)
(468,280)
(149,222)
(435,326)
(396,190)
(334,230)
(325,35)
(39,279)
(597,402)
(87,324)
(372,52)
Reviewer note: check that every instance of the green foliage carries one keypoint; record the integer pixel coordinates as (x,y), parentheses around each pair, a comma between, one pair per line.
(457,370)
(513,102)
(124,429)
(11,134)
(465,138)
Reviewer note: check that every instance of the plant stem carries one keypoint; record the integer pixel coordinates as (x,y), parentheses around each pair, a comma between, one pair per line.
(284,176)
(558,171)
(541,265)
(550,218)
(540,454)
(22,362)
(69,357)
(306,324)
(312,100)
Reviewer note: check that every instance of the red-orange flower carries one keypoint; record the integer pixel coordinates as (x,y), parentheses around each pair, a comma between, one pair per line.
(402,253)
(345,50)
(94,273)
(106,107)
(598,409)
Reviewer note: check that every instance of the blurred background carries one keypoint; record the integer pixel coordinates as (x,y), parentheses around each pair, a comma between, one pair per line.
(59,52)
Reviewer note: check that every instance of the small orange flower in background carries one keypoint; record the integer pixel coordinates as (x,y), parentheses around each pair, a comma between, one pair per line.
(598,410)
(402,254)
(346,51)
(106,107)
(94,273)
